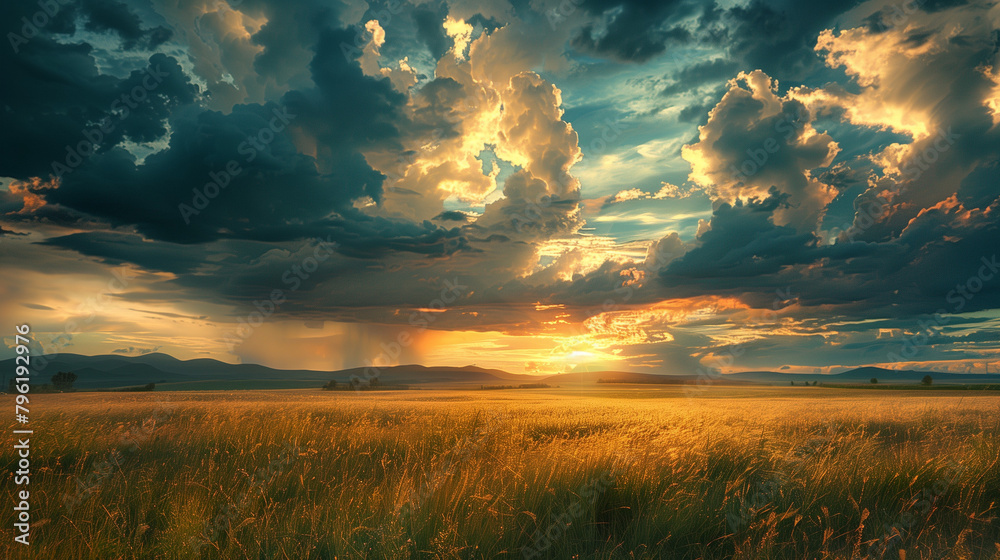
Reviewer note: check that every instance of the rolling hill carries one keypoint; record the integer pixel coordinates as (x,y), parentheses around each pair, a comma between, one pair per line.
(101,372)
(109,371)
(863,375)
(617,377)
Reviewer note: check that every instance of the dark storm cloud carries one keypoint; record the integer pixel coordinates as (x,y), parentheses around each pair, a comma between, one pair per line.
(61,95)
(367,237)
(744,242)
(979,188)
(452,216)
(430,31)
(327,124)
(922,271)
(117,17)
(345,108)
(691,77)
(485,23)
(698,112)
(272,187)
(289,38)
(778,36)
(115,248)
(239,175)
(4,231)
(634,30)
(99,16)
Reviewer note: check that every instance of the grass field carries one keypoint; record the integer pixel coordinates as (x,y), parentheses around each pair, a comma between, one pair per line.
(611,472)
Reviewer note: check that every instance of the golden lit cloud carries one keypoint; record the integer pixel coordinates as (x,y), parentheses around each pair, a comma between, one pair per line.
(461,33)
(754,141)
(31,192)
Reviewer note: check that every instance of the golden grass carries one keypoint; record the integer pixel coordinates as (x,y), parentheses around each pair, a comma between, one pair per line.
(618,472)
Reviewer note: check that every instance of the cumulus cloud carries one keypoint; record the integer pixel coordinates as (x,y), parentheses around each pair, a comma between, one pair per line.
(756,141)
(930,80)
(442,142)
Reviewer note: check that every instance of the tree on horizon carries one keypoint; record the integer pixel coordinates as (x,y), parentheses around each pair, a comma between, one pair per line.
(63,380)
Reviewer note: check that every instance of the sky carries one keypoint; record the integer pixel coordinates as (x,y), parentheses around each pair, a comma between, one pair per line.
(539,186)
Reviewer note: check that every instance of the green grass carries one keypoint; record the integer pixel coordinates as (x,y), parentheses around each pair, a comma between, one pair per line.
(636,473)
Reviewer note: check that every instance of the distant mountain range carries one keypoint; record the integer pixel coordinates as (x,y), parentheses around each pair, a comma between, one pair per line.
(102,372)
(864,375)
(857,375)
(95,372)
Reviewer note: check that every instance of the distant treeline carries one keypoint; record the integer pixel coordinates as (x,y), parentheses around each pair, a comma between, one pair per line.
(49,388)
(40,388)
(916,387)
(61,382)
(136,389)
(521,386)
